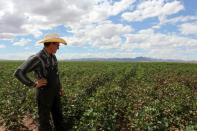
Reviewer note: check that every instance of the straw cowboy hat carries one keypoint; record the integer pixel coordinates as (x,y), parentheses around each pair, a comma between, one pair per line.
(52,38)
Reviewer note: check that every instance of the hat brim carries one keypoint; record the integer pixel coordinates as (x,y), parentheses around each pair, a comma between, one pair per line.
(59,40)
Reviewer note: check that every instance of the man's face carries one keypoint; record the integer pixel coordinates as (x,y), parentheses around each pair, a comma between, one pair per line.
(54,46)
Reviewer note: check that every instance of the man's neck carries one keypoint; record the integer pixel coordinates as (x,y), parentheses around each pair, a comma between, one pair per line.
(48,51)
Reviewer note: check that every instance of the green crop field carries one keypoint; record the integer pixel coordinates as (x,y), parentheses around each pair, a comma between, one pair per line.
(110,96)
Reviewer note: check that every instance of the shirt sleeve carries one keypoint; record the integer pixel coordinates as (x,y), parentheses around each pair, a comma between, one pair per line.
(28,66)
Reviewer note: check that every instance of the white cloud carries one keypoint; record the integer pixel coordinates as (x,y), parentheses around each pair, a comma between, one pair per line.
(91,25)
(153,8)
(2,46)
(158,45)
(174,21)
(30,17)
(188,28)
(22,42)
(12,23)
(95,55)
(16,56)
(6,6)
(158,40)
(181,19)
(6,36)
(104,43)
(120,6)
(103,35)
(101,11)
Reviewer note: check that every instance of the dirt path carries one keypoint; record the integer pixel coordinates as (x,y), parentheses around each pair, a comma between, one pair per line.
(28,122)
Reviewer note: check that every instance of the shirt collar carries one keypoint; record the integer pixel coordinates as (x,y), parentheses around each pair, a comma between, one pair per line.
(46,53)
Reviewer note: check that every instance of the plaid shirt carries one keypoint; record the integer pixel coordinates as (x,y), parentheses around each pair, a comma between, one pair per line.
(38,64)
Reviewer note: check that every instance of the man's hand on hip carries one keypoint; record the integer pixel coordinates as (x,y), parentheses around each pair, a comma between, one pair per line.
(41,82)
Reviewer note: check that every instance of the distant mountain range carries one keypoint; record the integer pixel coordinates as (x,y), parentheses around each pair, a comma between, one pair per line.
(137,59)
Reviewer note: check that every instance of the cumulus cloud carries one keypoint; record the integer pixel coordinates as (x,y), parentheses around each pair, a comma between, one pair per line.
(16,56)
(6,36)
(103,35)
(68,56)
(101,24)
(150,40)
(6,6)
(12,23)
(101,11)
(153,8)
(2,46)
(180,19)
(22,42)
(188,28)
(174,20)
(159,45)
(31,17)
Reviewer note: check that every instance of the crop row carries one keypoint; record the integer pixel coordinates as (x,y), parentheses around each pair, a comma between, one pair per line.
(111,96)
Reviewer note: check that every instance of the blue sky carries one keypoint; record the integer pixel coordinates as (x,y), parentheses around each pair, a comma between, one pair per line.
(100,28)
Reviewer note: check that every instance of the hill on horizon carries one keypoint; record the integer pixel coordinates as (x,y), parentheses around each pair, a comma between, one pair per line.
(136,59)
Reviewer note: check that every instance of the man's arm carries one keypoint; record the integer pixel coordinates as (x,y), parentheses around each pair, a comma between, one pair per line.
(26,67)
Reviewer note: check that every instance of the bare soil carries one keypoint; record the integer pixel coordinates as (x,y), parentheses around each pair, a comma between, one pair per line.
(28,122)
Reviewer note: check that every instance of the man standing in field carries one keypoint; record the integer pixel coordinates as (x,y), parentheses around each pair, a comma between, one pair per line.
(44,65)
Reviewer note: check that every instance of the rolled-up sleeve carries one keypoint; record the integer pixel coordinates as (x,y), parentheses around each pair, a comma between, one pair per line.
(28,66)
